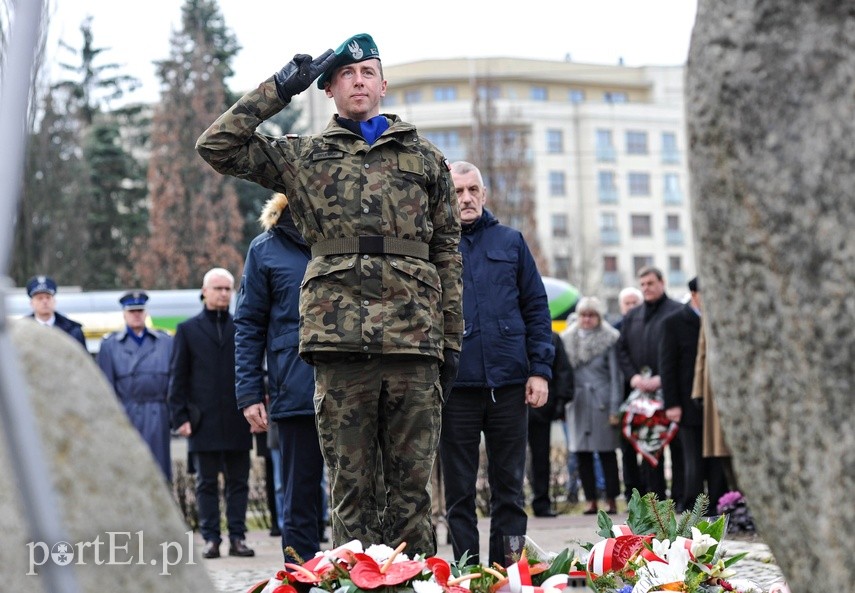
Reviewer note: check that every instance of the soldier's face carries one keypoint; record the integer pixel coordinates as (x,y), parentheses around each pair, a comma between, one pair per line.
(471,196)
(43,305)
(357,90)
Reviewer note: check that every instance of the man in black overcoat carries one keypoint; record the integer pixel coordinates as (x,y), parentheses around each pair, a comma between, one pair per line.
(204,409)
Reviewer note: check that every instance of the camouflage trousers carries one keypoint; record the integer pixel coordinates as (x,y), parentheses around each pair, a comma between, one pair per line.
(379,420)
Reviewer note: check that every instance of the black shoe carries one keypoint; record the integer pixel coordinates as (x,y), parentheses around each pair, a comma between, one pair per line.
(211,550)
(274,532)
(238,547)
(546,514)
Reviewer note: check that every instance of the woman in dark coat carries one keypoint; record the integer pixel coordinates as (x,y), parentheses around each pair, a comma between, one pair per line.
(593,416)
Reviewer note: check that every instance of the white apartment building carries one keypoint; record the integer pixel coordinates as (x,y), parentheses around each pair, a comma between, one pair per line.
(605,148)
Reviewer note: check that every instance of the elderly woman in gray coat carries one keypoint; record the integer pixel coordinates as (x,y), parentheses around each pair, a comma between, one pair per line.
(592,416)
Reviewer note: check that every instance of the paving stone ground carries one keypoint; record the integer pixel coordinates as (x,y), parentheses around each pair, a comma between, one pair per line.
(236,575)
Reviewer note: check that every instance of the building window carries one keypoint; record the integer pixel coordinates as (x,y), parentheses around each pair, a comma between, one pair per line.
(576,96)
(673,233)
(412,97)
(640,261)
(606,187)
(604,147)
(640,225)
(538,93)
(448,142)
(486,92)
(615,97)
(670,153)
(636,142)
(609,263)
(671,189)
(639,183)
(676,275)
(445,93)
(609,234)
(611,276)
(559,225)
(557,182)
(561,267)
(554,141)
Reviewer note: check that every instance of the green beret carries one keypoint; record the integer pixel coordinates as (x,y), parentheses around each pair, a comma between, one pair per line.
(355,49)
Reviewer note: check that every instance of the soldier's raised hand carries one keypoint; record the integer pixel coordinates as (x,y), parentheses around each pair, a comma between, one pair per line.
(296,76)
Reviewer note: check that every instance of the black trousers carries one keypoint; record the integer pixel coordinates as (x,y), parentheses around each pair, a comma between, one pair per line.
(700,471)
(502,416)
(302,476)
(539,447)
(610,472)
(235,468)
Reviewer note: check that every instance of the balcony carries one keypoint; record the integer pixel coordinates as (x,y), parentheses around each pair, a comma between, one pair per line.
(607,195)
(677,278)
(674,237)
(609,237)
(612,280)
(670,157)
(673,197)
(606,154)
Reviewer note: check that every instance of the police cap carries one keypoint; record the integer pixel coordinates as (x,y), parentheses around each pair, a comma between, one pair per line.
(38,284)
(133,300)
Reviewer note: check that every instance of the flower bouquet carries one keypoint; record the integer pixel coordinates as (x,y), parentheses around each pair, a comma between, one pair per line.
(655,550)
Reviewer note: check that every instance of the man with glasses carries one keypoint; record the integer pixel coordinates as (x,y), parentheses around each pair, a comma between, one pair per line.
(204,409)
(136,363)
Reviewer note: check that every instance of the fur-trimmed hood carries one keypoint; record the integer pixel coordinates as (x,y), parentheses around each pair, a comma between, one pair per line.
(583,349)
(273,209)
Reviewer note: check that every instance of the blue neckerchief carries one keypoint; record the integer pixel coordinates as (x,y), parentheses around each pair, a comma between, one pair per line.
(373,128)
(138,339)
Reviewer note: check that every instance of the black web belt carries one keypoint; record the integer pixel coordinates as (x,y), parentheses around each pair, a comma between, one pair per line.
(371,245)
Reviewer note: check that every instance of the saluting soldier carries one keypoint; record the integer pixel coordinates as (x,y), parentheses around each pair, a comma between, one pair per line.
(380,302)
(136,363)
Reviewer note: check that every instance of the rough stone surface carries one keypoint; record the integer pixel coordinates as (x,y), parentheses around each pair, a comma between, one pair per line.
(770,89)
(105,478)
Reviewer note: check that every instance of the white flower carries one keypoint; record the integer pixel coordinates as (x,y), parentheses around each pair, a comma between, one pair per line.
(354,546)
(654,574)
(429,586)
(381,553)
(701,542)
(661,547)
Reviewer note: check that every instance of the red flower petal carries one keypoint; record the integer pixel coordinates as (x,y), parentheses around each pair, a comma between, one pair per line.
(366,573)
(440,569)
(284,589)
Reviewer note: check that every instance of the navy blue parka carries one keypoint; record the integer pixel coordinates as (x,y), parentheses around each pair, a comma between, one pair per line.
(507,335)
(267,320)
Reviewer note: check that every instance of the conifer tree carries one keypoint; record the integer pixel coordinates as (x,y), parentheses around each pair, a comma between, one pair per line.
(194,219)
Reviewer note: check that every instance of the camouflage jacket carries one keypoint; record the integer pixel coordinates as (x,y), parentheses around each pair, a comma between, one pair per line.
(339,186)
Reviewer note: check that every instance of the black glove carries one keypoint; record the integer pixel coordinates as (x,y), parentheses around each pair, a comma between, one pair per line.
(448,371)
(298,74)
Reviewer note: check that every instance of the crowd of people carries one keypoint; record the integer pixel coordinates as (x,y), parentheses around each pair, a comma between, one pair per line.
(388,324)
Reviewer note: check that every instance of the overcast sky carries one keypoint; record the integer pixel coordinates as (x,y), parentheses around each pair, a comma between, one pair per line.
(641,32)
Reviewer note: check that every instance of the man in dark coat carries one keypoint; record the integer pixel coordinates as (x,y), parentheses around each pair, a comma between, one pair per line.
(267,321)
(638,355)
(203,409)
(678,352)
(41,290)
(540,429)
(505,368)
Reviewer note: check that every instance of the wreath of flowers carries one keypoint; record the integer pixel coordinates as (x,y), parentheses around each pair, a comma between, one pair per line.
(656,550)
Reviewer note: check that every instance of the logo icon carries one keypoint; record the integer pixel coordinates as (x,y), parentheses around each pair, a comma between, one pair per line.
(355,50)
(62,553)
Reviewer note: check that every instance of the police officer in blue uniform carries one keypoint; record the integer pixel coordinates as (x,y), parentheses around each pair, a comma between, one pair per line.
(136,363)
(41,290)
